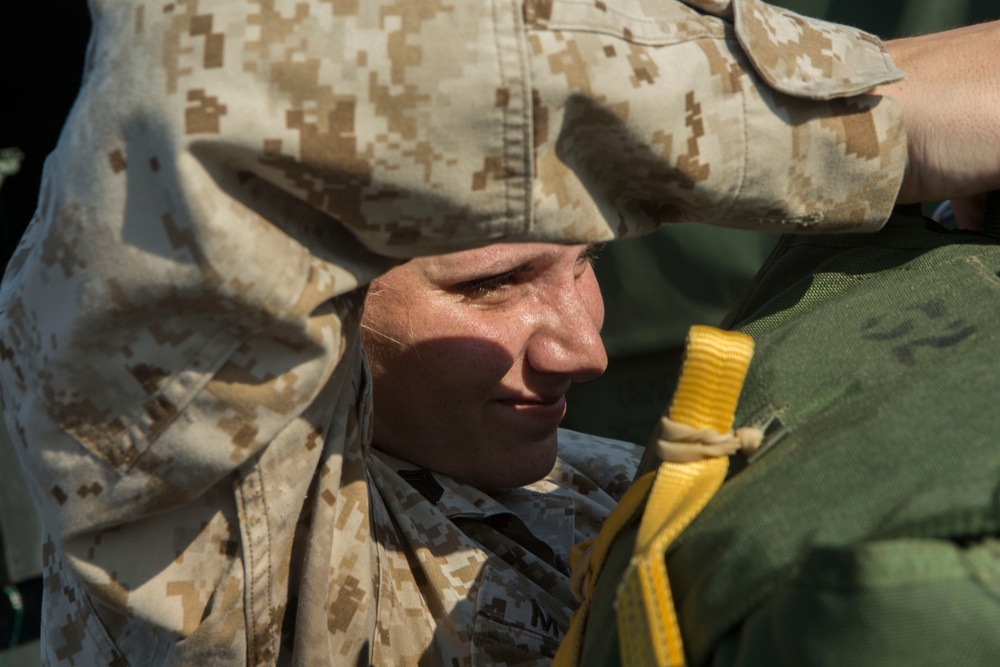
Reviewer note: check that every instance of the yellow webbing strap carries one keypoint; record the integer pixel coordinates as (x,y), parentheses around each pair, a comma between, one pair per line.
(710,383)
(711,380)
(708,390)
(630,505)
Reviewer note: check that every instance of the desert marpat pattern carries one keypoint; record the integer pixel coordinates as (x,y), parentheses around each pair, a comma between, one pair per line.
(179,354)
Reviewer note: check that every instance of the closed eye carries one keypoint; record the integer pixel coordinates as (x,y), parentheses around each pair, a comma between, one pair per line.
(487,285)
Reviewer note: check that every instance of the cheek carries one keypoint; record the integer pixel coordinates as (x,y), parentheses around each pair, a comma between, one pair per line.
(437,353)
(461,364)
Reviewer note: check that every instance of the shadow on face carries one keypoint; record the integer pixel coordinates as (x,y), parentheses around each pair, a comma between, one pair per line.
(444,412)
(472,355)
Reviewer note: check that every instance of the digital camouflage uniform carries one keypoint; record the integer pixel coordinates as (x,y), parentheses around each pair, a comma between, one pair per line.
(180,362)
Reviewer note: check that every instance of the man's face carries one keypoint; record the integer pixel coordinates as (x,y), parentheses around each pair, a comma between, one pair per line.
(472,354)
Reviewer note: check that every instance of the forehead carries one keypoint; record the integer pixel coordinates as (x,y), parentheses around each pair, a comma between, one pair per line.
(494,258)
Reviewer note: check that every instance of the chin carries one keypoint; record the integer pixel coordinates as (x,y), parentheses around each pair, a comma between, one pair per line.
(521,468)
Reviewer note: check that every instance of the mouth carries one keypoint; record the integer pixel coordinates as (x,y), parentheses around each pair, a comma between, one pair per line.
(539,409)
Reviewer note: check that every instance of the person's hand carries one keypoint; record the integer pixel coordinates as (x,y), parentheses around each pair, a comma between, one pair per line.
(951,107)
(969,211)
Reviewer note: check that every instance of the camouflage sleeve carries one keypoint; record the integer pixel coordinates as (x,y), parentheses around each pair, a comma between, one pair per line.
(731,112)
(233,172)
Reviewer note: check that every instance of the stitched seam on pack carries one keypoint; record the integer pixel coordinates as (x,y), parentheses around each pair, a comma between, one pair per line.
(990,276)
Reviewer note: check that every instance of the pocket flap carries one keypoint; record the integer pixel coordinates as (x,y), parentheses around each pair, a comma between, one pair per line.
(810,58)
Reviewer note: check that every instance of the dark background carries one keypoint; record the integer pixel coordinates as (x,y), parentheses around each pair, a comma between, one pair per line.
(42,47)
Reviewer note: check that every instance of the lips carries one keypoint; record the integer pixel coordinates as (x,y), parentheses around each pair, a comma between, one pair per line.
(542,409)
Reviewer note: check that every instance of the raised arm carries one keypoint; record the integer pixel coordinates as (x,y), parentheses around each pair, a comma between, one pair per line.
(951,106)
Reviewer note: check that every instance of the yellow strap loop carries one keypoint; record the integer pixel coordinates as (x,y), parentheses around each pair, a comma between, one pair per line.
(708,390)
(711,380)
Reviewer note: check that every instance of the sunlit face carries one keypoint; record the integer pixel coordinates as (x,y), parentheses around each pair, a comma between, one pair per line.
(472,354)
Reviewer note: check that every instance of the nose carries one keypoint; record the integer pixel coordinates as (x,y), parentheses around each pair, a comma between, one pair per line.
(567,340)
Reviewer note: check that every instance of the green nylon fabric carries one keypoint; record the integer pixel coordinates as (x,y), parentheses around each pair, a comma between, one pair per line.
(863,534)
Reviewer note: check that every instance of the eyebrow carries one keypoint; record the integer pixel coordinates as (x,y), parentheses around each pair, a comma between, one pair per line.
(502,265)
(494,265)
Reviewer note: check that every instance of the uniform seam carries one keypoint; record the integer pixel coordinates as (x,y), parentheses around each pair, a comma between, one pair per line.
(249,577)
(746,150)
(188,392)
(101,637)
(377,536)
(139,431)
(267,557)
(613,11)
(254,477)
(527,138)
(498,50)
(700,17)
(661,41)
(746,147)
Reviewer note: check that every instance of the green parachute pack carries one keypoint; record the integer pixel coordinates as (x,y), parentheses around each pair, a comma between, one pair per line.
(864,531)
